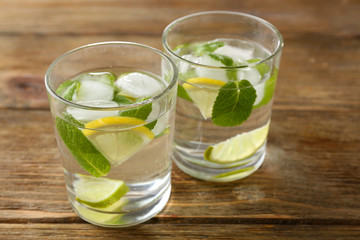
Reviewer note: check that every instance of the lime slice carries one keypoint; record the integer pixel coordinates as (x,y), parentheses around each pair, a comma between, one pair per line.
(104,215)
(118,138)
(105,195)
(238,147)
(237,174)
(203,93)
(98,192)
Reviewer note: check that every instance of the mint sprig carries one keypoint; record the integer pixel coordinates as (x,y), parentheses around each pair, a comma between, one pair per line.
(234,103)
(84,152)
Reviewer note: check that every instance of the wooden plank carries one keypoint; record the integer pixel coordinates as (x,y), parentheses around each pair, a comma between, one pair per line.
(315,73)
(178,231)
(310,175)
(332,17)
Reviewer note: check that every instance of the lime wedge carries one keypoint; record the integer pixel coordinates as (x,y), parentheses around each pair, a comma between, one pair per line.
(104,215)
(118,138)
(238,147)
(98,192)
(203,92)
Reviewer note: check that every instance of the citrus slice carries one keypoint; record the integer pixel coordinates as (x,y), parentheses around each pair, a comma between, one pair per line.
(103,216)
(238,147)
(203,92)
(98,192)
(118,138)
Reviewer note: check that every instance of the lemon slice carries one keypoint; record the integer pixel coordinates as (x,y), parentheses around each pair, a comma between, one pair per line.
(118,138)
(203,92)
(238,147)
(98,192)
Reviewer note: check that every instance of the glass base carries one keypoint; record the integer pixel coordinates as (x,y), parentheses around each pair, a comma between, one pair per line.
(123,219)
(196,166)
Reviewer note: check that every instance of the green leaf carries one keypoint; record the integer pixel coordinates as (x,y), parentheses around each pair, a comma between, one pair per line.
(141,112)
(269,89)
(63,87)
(180,47)
(227,61)
(69,93)
(262,68)
(88,157)
(122,100)
(181,92)
(208,47)
(233,105)
(189,74)
(67,89)
(151,125)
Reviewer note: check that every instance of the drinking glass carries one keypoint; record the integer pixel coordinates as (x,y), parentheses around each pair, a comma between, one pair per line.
(116,154)
(228,64)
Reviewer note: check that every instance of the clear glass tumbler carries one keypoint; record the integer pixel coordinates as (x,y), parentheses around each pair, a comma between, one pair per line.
(113,106)
(228,64)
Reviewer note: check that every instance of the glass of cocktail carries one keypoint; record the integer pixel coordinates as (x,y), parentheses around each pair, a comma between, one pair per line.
(228,64)
(113,108)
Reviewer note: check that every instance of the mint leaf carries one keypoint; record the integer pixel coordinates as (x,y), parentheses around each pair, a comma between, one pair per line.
(151,125)
(121,99)
(269,89)
(189,74)
(181,92)
(67,89)
(69,93)
(63,87)
(233,105)
(88,157)
(227,61)
(208,47)
(141,112)
(231,74)
(262,68)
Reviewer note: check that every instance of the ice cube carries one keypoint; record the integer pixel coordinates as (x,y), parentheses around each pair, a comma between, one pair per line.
(185,66)
(138,85)
(84,115)
(250,74)
(90,90)
(238,54)
(218,74)
(161,124)
(260,90)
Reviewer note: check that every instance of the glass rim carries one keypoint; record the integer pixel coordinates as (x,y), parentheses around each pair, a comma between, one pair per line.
(124,107)
(271,56)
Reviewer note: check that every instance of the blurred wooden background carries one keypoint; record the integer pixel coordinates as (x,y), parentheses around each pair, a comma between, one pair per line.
(309,185)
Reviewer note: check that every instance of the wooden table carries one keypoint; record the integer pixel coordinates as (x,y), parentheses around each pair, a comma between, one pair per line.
(309,185)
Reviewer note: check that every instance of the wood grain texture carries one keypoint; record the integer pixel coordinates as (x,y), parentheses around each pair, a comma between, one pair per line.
(309,185)
(178,231)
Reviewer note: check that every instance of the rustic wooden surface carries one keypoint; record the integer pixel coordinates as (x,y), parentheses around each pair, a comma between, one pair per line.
(309,185)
